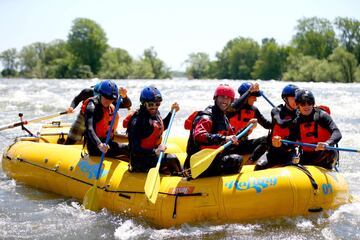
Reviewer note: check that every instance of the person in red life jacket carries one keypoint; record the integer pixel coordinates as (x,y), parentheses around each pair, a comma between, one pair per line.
(282,117)
(240,113)
(98,112)
(145,127)
(211,129)
(78,127)
(314,125)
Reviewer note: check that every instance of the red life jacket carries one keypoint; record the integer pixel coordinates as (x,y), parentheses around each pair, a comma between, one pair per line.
(312,132)
(241,119)
(283,132)
(103,126)
(127,119)
(189,121)
(277,130)
(155,138)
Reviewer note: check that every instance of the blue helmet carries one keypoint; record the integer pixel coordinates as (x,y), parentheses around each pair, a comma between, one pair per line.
(108,89)
(150,94)
(97,87)
(304,96)
(289,91)
(245,87)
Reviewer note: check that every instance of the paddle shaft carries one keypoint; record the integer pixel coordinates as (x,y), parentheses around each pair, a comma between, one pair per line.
(31,121)
(241,134)
(161,155)
(268,100)
(314,145)
(108,136)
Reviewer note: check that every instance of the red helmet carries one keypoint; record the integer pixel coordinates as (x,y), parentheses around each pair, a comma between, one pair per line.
(224,90)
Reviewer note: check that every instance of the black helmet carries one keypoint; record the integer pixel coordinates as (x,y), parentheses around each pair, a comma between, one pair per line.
(303,96)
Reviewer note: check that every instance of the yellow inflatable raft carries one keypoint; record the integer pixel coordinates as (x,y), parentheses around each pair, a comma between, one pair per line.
(284,191)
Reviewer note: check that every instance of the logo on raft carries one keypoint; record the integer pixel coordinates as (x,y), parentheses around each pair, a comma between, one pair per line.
(327,188)
(183,190)
(91,170)
(256,183)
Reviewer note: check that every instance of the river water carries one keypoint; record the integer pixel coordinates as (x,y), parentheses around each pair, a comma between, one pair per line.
(28,213)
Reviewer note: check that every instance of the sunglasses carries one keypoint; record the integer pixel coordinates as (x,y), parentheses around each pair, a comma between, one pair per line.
(309,103)
(152,104)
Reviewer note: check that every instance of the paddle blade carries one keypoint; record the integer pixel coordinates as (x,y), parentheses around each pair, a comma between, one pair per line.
(152,184)
(91,198)
(201,160)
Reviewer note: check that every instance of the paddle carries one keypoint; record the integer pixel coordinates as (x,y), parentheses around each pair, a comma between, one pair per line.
(268,100)
(201,160)
(327,147)
(31,121)
(152,184)
(90,199)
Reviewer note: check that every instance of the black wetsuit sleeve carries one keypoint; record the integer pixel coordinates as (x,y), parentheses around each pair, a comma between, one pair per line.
(328,123)
(166,120)
(89,123)
(135,135)
(261,119)
(237,104)
(82,96)
(125,103)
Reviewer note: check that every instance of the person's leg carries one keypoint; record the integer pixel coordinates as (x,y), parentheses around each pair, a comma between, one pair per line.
(117,149)
(76,131)
(171,165)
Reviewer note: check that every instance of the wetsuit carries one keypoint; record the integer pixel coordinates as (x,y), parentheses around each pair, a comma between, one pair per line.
(145,135)
(209,130)
(78,127)
(282,118)
(256,147)
(314,128)
(97,121)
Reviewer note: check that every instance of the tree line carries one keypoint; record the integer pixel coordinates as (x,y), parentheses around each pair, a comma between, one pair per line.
(320,50)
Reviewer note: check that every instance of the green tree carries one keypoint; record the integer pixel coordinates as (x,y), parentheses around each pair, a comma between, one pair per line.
(347,63)
(32,60)
(327,72)
(300,68)
(9,62)
(158,67)
(141,70)
(58,60)
(315,37)
(87,42)
(237,59)
(349,33)
(198,65)
(357,74)
(271,61)
(116,63)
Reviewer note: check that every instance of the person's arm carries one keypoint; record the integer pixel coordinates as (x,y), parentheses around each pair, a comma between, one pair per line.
(202,133)
(125,103)
(261,119)
(89,123)
(166,120)
(82,96)
(238,103)
(328,123)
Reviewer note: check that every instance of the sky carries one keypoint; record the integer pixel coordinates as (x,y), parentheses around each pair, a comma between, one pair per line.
(175,28)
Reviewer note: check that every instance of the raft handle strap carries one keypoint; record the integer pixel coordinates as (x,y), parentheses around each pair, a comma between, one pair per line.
(304,169)
(183,195)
